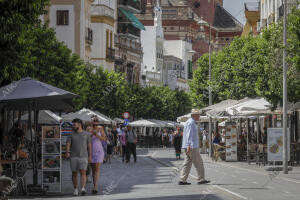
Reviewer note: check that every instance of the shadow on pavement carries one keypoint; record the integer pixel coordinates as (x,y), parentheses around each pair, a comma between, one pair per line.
(181,197)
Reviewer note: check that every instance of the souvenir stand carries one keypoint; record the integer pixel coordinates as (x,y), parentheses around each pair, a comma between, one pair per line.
(231,141)
(51,158)
(66,131)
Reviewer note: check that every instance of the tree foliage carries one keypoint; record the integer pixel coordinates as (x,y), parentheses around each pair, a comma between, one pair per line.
(251,67)
(30,48)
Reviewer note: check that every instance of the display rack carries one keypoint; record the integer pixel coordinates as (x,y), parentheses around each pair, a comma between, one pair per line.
(231,141)
(66,131)
(51,158)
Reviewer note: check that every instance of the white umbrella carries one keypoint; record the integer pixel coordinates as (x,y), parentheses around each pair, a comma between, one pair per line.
(86,116)
(184,118)
(45,117)
(145,123)
(250,107)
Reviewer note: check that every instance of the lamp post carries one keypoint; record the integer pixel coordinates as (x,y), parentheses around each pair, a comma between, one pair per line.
(284,113)
(201,23)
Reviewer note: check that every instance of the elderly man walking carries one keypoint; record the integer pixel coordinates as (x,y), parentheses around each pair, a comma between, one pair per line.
(190,144)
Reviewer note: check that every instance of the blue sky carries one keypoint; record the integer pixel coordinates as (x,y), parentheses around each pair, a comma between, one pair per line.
(236,8)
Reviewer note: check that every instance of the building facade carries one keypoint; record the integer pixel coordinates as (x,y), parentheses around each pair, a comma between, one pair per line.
(180,22)
(71,20)
(128,49)
(252,15)
(152,40)
(272,10)
(103,21)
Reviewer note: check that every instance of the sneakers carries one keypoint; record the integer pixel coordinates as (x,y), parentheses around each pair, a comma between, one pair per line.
(83,192)
(75,192)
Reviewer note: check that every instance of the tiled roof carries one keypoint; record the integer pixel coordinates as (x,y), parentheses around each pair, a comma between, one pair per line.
(224,19)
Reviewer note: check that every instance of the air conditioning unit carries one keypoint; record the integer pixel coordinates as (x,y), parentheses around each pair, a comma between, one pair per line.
(258,26)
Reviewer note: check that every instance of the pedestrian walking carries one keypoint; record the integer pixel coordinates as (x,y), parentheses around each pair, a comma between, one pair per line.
(110,144)
(131,140)
(104,144)
(165,138)
(177,142)
(170,138)
(97,136)
(204,139)
(190,143)
(115,142)
(122,139)
(81,154)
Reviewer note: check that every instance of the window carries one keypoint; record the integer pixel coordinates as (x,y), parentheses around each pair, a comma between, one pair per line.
(171,28)
(190,70)
(107,38)
(62,17)
(111,39)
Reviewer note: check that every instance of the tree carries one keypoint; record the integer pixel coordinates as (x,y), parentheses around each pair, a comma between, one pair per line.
(16,17)
(252,66)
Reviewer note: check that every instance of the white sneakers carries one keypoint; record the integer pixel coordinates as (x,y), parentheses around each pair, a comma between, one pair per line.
(75,192)
(83,192)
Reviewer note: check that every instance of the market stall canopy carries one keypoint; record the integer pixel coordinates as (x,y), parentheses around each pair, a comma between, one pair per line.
(219,109)
(220,105)
(105,117)
(144,123)
(183,118)
(86,116)
(18,95)
(45,117)
(174,123)
(162,123)
(250,107)
(119,120)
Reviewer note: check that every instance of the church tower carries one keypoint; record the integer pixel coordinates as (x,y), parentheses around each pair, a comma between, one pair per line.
(158,20)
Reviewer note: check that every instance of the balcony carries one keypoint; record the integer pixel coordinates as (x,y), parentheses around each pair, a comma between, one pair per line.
(127,28)
(133,6)
(102,10)
(124,43)
(89,35)
(110,54)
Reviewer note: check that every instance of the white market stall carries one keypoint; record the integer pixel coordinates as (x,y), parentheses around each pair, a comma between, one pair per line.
(85,115)
(45,117)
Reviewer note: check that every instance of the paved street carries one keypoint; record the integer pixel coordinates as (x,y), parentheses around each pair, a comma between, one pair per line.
(155,176)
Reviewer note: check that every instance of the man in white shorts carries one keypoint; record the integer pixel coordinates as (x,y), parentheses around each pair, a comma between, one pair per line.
(80,144)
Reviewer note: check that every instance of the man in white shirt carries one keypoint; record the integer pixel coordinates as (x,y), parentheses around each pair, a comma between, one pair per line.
(190,143)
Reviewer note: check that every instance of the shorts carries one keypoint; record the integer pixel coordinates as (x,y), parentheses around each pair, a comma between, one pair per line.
(109,149)
(77,163)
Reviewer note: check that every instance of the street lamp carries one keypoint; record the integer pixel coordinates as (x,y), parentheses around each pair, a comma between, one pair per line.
(284,109)
(202,23)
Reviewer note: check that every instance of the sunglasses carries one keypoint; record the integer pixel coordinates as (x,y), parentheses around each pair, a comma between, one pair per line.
(95,125)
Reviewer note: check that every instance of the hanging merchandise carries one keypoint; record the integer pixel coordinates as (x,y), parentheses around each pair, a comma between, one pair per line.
(66,130)
(51,158)
(231,141)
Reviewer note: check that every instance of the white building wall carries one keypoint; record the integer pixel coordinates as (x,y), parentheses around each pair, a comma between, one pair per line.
(148,41)
(64,33)
(98,48)
(83,26)
(179,49)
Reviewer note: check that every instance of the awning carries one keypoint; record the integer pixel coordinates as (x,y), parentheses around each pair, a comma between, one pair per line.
(134,20)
